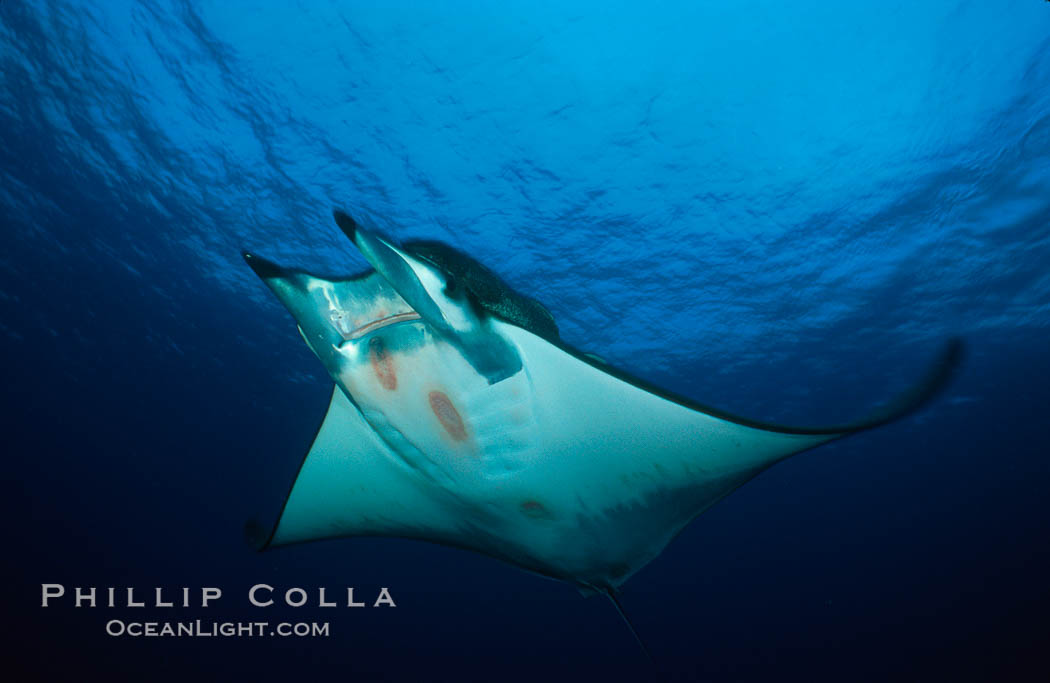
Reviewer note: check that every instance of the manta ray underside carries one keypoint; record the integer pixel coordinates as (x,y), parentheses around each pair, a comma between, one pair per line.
(459,417)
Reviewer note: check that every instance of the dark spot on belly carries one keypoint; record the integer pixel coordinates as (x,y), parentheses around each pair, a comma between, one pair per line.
(535,509)
(382,363)
(447,415)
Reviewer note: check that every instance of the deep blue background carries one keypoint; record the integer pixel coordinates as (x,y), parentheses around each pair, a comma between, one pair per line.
(781,209)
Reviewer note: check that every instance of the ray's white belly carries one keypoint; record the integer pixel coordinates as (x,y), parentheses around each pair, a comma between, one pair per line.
(440,416)
(492,453)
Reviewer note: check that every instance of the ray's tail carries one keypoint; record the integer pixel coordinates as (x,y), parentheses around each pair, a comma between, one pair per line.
(619,608)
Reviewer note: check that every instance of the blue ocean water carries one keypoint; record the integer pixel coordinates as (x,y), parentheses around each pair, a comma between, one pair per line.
(781,209)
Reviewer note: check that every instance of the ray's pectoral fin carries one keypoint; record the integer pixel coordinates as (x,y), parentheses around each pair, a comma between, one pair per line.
(741,448)
(770,443)
(767,443)
(346,487)
(931,384)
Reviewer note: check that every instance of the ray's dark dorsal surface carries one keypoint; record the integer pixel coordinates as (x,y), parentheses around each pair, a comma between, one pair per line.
(487,291)
(459,417)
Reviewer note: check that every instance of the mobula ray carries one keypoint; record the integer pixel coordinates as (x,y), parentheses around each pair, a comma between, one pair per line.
(459,417)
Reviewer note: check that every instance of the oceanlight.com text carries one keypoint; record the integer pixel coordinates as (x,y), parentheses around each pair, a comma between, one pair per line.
(215,629)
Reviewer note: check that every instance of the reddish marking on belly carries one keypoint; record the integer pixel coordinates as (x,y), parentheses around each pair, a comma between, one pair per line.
(536,510)
(447,415)
(382,363)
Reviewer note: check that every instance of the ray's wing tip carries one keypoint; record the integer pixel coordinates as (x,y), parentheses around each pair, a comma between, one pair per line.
(256,535)
(936,379)
(954,352)
(947,366)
